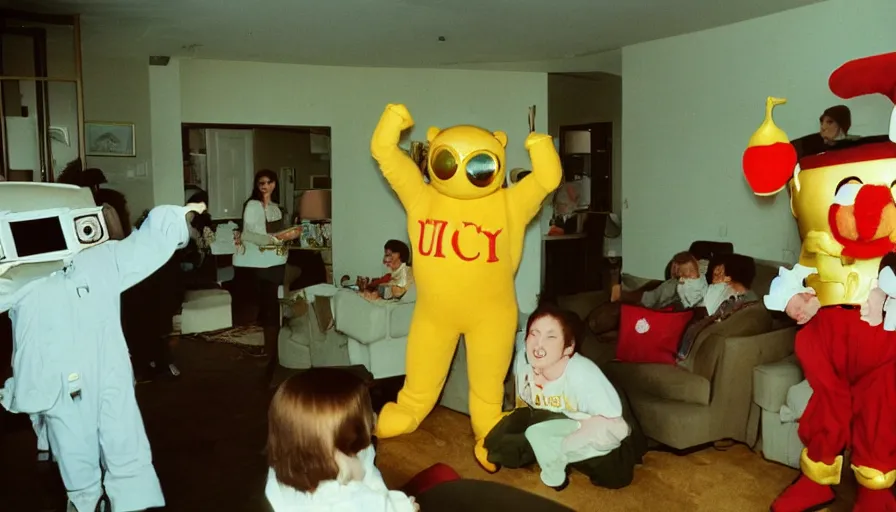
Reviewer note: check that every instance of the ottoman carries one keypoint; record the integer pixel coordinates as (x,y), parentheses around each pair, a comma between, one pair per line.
(205,311)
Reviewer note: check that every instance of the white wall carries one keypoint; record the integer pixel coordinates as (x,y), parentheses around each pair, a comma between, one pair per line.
(350,101)
(117,90)
(690,103)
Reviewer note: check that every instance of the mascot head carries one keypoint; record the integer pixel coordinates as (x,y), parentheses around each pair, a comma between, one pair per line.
(847,192)
(43,225)
(466,162)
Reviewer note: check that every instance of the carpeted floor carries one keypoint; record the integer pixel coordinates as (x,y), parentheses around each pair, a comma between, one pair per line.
(735,480)
(208,429)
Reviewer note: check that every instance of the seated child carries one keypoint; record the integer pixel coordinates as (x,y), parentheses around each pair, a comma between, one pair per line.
(398,278)
(568,414)
(319,447)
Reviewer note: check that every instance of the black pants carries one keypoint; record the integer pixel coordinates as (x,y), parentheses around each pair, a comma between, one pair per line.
(507,446)
(260,286)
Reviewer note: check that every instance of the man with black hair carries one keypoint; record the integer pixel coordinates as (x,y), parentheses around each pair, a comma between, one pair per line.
(733,275)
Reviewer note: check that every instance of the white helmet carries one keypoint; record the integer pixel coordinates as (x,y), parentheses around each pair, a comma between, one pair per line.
(47,223)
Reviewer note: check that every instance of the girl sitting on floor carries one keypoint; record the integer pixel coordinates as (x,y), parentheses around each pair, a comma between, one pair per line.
(568,412)
(320,452)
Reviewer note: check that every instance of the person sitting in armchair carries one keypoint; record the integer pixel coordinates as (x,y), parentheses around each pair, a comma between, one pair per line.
(398,278)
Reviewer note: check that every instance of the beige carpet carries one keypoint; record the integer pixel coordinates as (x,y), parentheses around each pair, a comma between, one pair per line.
(734,480)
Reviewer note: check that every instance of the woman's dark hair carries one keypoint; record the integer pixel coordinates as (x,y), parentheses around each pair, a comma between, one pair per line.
(400,248)
(256,194)
(199,197)
(571,325)
(118,202)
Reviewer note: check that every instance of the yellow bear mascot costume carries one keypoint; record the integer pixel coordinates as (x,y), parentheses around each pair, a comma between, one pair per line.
(467,234)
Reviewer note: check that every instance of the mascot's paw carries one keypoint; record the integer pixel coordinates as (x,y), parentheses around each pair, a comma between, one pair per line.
(802,496)
(395,421)
(869,500)
(401,111)
(481,455)
(534,138)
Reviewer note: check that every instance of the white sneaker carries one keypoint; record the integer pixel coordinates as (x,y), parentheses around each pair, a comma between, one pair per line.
(174,370)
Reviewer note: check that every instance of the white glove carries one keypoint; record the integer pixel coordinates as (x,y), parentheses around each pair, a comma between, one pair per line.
(890,314)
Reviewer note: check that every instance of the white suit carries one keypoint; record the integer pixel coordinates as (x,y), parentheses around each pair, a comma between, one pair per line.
(71,363)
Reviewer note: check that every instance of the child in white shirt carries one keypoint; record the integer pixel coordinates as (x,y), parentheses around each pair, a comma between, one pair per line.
(568,414)
(319,448)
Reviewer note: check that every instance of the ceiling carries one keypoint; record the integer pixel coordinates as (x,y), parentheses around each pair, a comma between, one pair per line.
(531,35)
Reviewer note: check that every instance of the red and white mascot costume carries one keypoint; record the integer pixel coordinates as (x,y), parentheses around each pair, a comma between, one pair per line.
(843,200)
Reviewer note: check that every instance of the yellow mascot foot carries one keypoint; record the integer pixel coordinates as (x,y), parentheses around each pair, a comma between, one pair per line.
(481,455)
(394,420)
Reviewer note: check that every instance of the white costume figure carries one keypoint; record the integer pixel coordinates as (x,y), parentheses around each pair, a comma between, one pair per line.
(61,281)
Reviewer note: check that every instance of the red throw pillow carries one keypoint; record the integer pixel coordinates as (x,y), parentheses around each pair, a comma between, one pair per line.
(650,336)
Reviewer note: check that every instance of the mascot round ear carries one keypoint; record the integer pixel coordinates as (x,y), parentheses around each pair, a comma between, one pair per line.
(431,133)
(502,138)
(113,223)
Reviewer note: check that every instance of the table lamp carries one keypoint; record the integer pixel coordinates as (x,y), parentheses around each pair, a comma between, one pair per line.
(314,205)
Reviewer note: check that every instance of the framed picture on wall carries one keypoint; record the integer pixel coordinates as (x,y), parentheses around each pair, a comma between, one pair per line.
(110,139)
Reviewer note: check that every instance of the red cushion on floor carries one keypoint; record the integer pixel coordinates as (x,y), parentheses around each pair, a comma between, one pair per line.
(430,477)
(650,336)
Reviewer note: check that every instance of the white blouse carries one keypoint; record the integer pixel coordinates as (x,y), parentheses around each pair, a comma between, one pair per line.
(254,234)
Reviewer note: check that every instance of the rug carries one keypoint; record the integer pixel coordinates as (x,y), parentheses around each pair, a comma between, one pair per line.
(251,336)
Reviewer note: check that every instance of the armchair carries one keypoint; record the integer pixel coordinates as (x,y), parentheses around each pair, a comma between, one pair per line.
(377,332)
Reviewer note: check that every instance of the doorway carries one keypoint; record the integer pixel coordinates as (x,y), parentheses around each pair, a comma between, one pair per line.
(574,248)
(220,162)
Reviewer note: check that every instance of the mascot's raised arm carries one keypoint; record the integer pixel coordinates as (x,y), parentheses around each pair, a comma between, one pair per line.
(61,279)
(467,232)
(843,201)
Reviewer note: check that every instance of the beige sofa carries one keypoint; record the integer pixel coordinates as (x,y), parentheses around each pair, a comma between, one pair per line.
(708,396)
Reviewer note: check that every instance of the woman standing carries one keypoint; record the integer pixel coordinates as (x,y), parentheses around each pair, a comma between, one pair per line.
(259,271)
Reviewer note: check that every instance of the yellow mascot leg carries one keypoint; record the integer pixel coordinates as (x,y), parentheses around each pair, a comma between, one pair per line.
(431,346)
(489,353)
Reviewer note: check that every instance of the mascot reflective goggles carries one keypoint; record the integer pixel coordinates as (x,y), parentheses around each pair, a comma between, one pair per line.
(50,235)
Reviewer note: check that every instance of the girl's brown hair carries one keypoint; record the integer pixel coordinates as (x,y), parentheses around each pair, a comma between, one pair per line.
(570,324)
(311,416)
